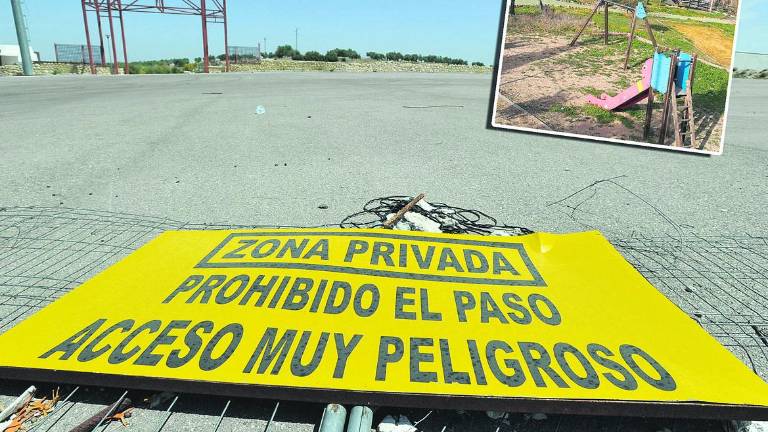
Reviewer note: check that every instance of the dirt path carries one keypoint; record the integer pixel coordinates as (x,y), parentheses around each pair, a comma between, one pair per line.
(712,41)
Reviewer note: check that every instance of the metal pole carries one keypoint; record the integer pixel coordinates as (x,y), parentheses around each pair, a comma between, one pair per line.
(88,40)
(226,40)
(101,34)
(122,35)
(360,419)
(21,35)
(112,32)
(205,36)
(297,40)
(333,419)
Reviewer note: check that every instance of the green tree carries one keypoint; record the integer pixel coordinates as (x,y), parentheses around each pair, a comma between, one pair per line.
(375,56)
(285,51)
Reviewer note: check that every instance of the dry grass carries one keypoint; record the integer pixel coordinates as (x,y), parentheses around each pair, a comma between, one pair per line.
(543,23)
(713,41)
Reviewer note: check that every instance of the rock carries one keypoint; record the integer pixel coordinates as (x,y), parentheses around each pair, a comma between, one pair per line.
(539,416)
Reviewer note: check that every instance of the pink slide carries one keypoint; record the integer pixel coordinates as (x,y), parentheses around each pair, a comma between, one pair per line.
(632,95)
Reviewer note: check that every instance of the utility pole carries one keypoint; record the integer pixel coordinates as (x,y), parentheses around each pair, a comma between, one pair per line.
(21,35)
(265,45)
(296,46)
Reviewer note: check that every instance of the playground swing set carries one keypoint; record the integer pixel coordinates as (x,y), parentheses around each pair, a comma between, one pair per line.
(669,73)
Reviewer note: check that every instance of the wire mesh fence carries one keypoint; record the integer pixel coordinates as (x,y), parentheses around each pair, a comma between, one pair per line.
(243,55)
(720,281)
(68,53)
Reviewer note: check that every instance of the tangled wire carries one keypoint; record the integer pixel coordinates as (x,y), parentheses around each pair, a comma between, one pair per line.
(429,217)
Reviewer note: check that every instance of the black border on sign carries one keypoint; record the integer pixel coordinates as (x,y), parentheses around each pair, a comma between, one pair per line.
(536,281)
(601,407)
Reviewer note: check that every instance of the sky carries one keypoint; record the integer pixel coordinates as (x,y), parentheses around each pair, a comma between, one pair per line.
(465,29)
(753,26)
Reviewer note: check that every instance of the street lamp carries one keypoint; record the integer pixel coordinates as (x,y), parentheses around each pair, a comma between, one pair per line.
(108,51)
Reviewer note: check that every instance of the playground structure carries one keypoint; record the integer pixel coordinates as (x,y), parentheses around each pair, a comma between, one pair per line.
(210,11)
(671,75)
(638,12)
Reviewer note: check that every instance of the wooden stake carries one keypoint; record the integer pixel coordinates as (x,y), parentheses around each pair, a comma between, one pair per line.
(648,114)
(396,217)
(631,39)
(606,23)
(650,32)
(689,101)
(675,117)
(586,23)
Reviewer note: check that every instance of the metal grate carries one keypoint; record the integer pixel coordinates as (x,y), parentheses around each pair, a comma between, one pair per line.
(68,53)
(720,281)
(242,54)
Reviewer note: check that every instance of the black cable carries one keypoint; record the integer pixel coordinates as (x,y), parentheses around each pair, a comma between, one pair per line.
(450,219)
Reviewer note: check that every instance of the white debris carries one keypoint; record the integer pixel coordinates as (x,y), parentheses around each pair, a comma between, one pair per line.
(539,416)
(425,205)
(260,109)
(422,223)
(389,424)
(755,426)
(495,414)
(18,403)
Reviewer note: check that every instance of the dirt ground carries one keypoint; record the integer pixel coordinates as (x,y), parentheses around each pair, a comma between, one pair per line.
(544,83)
(710,40)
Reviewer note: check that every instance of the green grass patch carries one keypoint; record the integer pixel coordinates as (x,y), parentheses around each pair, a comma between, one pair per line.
(568,110)
(601,115)
(591,91)
(684,12)
(710,86)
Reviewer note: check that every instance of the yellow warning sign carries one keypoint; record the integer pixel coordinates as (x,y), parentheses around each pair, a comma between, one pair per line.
(370,313)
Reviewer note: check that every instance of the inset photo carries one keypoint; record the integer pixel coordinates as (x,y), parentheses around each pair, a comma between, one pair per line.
(653,73)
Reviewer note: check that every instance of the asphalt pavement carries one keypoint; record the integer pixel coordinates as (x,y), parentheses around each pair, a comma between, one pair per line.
(199,148)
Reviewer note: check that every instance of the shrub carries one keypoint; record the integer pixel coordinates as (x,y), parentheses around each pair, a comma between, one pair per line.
(314,56)
(331,56)
(375,56)
(478,64)
(340,52)
(394,56)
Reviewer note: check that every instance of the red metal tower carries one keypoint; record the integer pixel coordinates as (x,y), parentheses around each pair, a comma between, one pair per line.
(210,11)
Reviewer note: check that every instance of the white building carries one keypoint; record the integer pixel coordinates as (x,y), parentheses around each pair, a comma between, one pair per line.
(11,54)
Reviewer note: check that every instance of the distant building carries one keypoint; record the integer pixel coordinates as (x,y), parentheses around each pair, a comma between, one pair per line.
(11,54)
